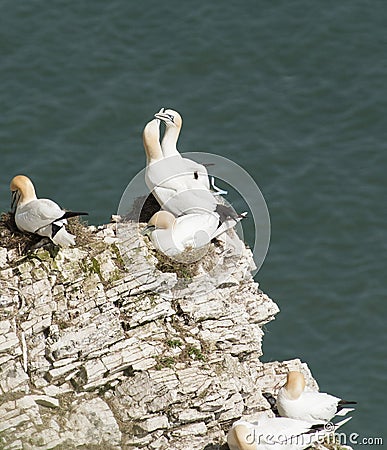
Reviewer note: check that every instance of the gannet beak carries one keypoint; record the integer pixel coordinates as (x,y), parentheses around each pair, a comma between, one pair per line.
(14,200)
(148,230)
(161,115)
(160,112)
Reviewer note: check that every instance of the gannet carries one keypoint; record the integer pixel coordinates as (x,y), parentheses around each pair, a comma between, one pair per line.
(315,407)
(168,181)
(167,178)
(278,433)
(39,215)
(173,123)
(172,236)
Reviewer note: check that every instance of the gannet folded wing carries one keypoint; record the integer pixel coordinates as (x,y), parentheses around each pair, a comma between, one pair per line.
(40,216)
(172,235)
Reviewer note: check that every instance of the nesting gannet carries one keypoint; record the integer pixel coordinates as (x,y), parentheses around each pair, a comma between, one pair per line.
(173,123)
(315,407)
(279,433)
(172,235)
(168,181)
(39,215)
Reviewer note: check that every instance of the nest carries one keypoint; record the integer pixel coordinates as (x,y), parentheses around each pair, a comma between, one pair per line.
(12,238)
(143,209)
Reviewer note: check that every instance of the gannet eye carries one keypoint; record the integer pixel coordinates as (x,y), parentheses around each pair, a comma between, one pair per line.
(196,175)
(171,117)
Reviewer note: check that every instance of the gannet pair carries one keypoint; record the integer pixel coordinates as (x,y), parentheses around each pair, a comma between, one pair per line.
(39,215)
(174,186)
(182,188)
(278,433)
(314,407)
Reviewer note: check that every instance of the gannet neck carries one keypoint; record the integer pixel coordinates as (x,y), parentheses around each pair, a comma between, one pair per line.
(150,137)
(162,220)
(24,186)
(169,142)
(295,385)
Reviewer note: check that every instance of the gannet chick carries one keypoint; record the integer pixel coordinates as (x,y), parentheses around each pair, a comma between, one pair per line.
(173,123)
(279,433)
(39,215)
(314,407)
(172,236)
(168,181)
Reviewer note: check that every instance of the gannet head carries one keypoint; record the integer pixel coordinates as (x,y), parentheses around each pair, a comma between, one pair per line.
(295,385)
(162,220)
(171,118)
(22,190)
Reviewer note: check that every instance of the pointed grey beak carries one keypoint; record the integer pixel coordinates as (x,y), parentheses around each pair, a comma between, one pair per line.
(148,230)
(14,200)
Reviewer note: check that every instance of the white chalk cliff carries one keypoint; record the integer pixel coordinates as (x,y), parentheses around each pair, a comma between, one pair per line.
(103,346)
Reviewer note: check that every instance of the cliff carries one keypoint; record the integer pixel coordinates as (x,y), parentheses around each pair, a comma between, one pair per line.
(108,345)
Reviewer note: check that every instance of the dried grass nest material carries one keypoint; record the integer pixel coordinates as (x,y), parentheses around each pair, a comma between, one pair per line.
(12,238)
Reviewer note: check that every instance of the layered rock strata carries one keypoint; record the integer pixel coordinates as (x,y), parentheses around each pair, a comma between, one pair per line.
(109,346)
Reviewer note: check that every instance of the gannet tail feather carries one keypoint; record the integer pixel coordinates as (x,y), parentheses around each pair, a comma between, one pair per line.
(60,236)
(341,423)
(344,411)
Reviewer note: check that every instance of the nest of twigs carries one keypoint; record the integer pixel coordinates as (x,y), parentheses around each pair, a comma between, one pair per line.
(12,238)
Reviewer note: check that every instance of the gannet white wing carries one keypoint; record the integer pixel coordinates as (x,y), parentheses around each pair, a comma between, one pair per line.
(37,214)
(172,235)
(195,230)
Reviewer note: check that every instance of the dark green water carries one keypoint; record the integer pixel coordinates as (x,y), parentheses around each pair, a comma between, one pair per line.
(294,92)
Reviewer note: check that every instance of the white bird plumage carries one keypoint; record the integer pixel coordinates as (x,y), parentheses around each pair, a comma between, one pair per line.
(295,402)
(277,433)
(172,235)
(167,178)
(173,123)
(39,215)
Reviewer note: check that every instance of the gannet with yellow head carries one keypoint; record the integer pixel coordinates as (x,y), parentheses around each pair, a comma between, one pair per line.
(39,215)
(295,402)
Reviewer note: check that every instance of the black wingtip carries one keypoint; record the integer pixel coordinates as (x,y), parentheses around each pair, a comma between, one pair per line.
(69,214)
(346,402)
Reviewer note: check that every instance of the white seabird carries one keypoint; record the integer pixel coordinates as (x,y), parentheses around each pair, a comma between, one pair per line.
(174,189)
(39,215)
(172,236)
(315,407)
(278,433)
(173,123)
